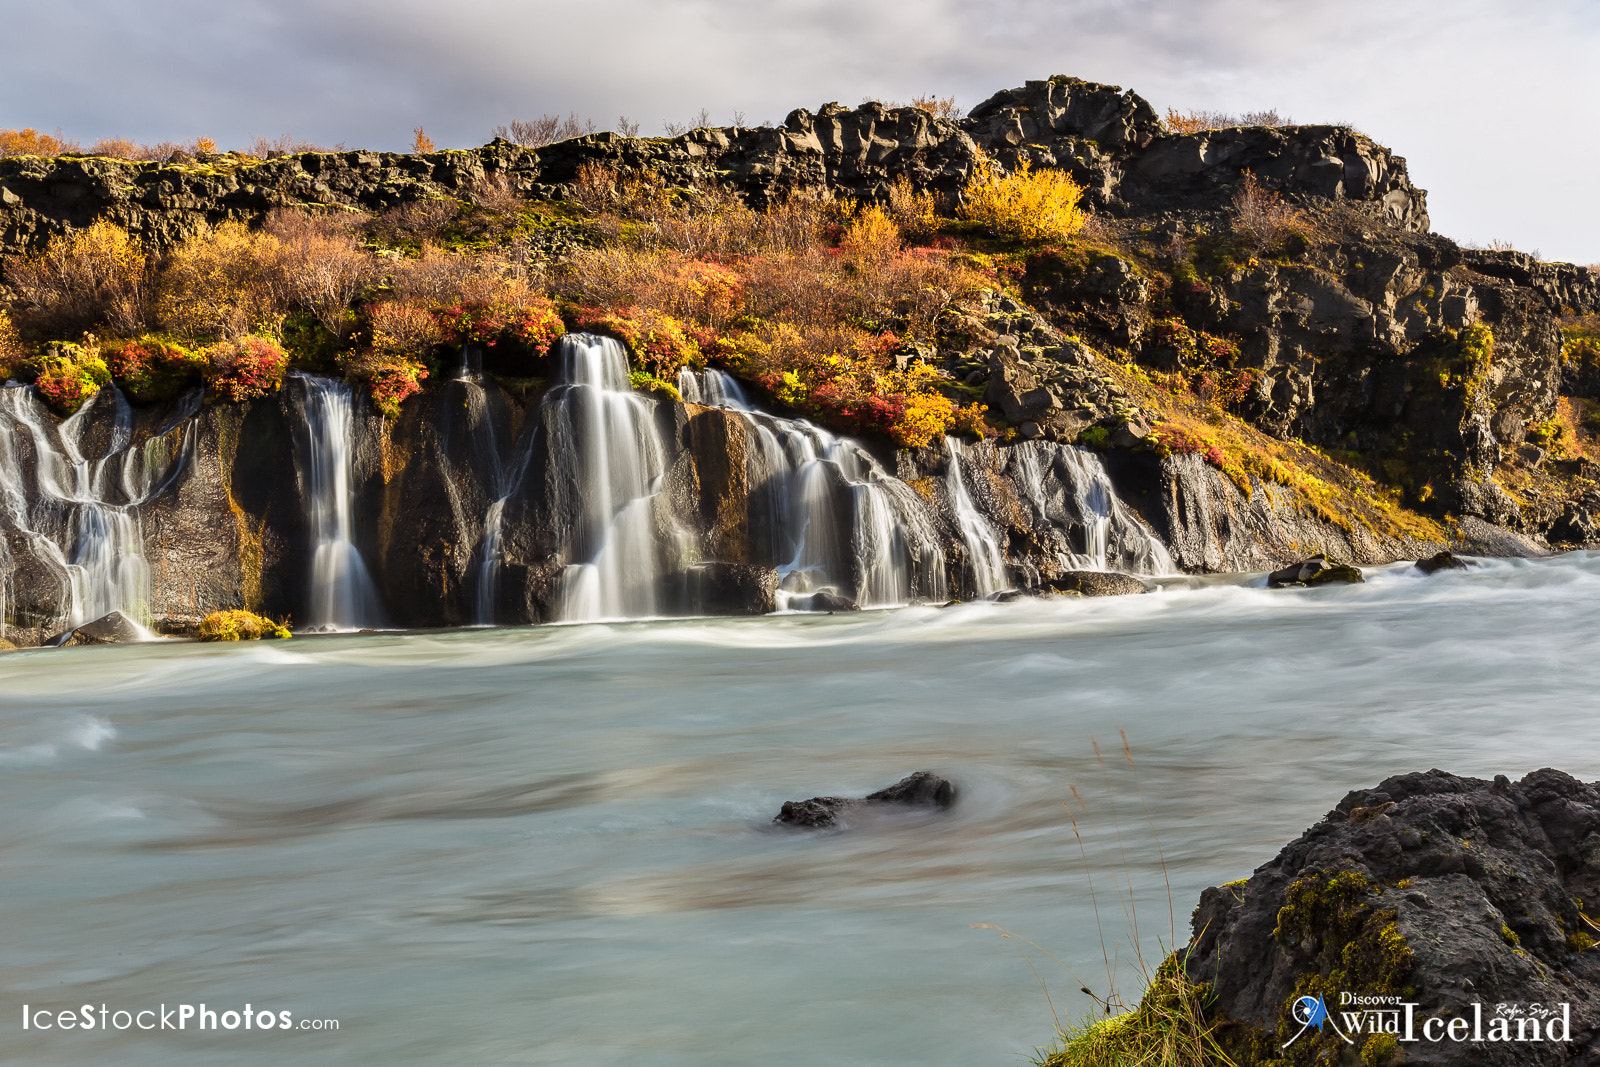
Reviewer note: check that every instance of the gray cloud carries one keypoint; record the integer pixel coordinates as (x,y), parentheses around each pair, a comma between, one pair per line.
(1488,99)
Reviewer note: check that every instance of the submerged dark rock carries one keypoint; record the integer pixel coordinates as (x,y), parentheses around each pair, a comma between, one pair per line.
(1318,570)
(1096,583)
(824,600)
(1441,891)
(924,789)
(1440,561)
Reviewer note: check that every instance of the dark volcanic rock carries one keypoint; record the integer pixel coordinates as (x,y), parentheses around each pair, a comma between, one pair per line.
(1445,892)
(719,588)
(113,629)
(1440,561)
(1318,570)
(824,600)
(1096,583)
(924,789)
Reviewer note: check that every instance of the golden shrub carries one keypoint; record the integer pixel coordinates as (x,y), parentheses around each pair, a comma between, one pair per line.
(223,283)
(83,280)
(1025,205)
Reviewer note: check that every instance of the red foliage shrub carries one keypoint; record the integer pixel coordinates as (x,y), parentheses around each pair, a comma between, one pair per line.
(247,368)
(1175,441)
(658,343)
(151,368)
(533,325)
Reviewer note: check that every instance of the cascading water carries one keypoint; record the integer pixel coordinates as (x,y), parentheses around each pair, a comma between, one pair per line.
(712,388)
(342,594)
(1067,488)
(78,516)
(503,478)
(985,561)
(828,515)
(607,460)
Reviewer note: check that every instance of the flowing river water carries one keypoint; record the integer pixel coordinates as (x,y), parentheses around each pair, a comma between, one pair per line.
(552,845)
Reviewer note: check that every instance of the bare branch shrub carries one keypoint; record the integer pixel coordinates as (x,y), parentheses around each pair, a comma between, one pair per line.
(413,225)
(627,127)
(1196,121)
(1262,217)
(320,264)
(545,130)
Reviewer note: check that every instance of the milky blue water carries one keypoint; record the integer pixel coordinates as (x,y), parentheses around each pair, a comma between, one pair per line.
(552,846)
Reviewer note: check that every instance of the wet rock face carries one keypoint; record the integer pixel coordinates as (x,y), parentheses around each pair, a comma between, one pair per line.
(1440,890)
(924,789)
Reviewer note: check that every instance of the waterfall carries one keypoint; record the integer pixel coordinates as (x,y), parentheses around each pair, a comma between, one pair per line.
(1066,488)
(713,388)
(503,478)
(608,457)
(80,516)
(985,562)
(342,594)
(824,512)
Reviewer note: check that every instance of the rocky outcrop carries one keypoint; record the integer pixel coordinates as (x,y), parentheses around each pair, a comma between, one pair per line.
(924,789)
(1462,897)
(1109,139)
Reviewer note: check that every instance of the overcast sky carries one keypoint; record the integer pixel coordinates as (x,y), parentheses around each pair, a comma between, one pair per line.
(1492,102)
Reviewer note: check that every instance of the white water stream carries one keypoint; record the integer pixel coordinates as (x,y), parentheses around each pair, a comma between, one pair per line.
(551,845)
(74,503)
(342,596)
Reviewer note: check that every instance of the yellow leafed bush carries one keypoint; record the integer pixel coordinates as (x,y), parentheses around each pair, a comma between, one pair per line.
(1025,205)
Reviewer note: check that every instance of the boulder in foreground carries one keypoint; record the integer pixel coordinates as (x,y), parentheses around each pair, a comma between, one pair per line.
(1461,897)
(924,789)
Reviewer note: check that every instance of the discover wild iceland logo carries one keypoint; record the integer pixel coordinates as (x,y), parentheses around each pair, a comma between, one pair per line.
(1365,1015)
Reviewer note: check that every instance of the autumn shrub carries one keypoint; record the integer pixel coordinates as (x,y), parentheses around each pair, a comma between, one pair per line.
(847,379)
(513,318)
(657,343)
(246,368)
(31,142)
(1184,122)
(389,377)
(1173,440)
(1264,220)
(1025,205)
(239,625)
(915,211)
(317,263)
(84,280)
(224,283)
(12,350)
(153,368)
(413,226)
(70,374)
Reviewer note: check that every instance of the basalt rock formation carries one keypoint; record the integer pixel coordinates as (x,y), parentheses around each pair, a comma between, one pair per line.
(1457,895)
